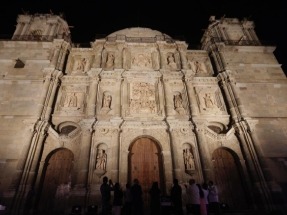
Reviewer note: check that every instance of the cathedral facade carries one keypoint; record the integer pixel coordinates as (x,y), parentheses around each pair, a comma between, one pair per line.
(138,104)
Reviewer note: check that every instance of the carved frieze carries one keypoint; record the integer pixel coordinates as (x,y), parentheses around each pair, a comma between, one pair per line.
(142,98)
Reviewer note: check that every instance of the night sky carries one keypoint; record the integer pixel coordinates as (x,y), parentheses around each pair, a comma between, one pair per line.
(180,19)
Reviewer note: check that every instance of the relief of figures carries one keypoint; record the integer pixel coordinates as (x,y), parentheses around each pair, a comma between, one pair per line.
(141,61)
(188,159)
(209,102)
(198,67)
(143,98)
(81,64)
(71,100)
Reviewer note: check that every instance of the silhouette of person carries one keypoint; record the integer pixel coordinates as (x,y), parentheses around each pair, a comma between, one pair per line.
(118,199)
(128,200)
(137,201)
(176,197)
(106,196)
(154,193)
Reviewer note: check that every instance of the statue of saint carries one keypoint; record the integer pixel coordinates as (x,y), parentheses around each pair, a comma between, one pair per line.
(101,159)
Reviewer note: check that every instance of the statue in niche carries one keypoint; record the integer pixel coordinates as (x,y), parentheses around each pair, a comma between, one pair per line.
(209,103)
(101,161)
(107,99)
(110,61)
(188,159)
(171,61)
(177,100)
(71,100)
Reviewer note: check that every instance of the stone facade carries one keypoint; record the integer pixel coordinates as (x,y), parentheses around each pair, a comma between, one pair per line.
(71,115)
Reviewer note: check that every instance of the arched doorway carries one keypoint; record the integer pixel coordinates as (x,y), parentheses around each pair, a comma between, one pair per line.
(56,181)
(145,164)
(228,177)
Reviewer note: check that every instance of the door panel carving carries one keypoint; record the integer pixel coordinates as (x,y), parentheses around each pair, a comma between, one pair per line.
(145,164)
(228,179)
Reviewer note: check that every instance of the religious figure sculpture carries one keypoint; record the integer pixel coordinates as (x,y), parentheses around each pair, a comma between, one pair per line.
(178,101)
(101,160)
(188,159)
(81,64)
(107,101)
(171,61)
(209,103)
(110,61)
(71,100)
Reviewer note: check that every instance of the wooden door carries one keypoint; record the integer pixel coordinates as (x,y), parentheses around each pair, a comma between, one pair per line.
(228,179)
(145,164)
(56,181)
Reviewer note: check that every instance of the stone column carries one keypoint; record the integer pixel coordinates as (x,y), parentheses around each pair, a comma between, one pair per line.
(260,192)
(91,103)
(55,56)
(204,153)
(174,153)
(24,31)
(117,97)
(51,94)
(192,98)
(52,31)
(84,158)
(19,29)
(45,89)
(29,165)
(114,155)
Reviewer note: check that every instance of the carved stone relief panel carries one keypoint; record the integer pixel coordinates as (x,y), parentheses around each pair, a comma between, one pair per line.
(141,61)
(172,60)
(73,98)
(80,61)
(142,98)
(210,100)
(140,57)
(199,64)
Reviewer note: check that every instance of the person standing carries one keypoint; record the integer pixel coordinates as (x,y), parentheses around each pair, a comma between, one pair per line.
(137,201)
(204,201)
(154,193)
(118,199)
(106,196)
(128,200)
(193,198)
(213,200)
(176,197)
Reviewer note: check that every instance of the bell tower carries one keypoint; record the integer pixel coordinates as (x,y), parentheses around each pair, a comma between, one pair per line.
(41,27)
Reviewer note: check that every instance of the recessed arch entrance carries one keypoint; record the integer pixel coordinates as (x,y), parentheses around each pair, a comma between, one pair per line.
(228,177)
(56,181)
(146,164)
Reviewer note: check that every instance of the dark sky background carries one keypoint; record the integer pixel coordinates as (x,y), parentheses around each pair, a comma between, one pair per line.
(181,19)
